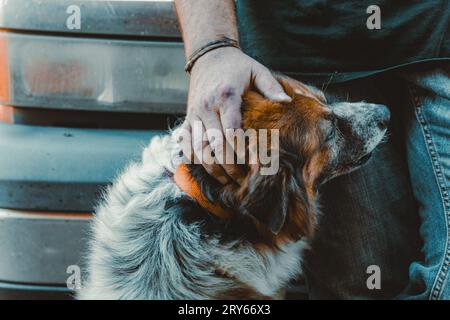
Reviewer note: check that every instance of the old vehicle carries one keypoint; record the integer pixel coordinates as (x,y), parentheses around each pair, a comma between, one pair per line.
(84,85)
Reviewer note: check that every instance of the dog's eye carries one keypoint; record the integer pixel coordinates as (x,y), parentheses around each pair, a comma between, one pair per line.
(331,134)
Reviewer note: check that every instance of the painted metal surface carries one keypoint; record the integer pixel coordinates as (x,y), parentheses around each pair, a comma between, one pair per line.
(126,56)
(62,169)
(38,248)
(125,18)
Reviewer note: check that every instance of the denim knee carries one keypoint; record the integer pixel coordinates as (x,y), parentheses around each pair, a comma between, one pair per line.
(428,152)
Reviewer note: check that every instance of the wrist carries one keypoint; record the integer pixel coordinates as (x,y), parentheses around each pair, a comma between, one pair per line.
(214,45)
(192,44)
(215,58)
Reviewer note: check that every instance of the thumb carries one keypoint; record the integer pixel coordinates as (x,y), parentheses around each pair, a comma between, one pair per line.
(270,87)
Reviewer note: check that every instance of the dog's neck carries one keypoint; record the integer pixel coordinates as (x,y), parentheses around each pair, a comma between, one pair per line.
(188,184)
(217,199)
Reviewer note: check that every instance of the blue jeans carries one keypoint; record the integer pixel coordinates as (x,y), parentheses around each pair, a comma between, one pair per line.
(394,213)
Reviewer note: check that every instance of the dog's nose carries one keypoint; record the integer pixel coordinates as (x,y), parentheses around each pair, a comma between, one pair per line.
(383,117)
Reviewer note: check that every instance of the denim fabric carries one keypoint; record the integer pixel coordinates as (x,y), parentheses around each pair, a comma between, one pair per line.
(428,152)
(394,212)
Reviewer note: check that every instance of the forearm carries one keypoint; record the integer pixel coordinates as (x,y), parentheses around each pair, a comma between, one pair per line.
(218,80)
(202,21)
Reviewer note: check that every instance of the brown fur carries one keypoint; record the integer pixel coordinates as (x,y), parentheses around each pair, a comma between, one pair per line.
(298,123)
(301,134)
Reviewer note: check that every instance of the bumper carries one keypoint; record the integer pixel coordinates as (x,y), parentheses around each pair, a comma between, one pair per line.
(62,169)
(126,60)
(55,170)
(36,250)
(16,291)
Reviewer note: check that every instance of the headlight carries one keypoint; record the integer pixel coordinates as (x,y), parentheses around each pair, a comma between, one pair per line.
(92,73)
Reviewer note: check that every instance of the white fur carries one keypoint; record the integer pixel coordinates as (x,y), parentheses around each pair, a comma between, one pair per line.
(361,116)
(142,250)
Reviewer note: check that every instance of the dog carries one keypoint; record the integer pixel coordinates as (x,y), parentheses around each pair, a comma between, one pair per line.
(167,230)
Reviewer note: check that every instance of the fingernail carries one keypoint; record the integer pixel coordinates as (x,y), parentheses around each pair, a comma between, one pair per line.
(284,97)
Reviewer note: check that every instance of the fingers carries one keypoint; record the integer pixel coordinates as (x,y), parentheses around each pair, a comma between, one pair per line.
(214,134)
(208,143)
(235,172)
(230,115)
(205,132)
(303,89)
(308,91)
(214,155)
(215,170)
(318,94)
(215,98)
(270,87)
(222,165)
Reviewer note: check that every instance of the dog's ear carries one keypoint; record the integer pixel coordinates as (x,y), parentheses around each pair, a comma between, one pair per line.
(266,199)
(279,201)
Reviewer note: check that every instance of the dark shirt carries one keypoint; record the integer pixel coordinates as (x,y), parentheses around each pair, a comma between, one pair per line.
(317,38)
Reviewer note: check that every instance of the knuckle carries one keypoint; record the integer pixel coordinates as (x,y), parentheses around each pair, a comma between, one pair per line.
(204,105)
(225,92)
(201,105)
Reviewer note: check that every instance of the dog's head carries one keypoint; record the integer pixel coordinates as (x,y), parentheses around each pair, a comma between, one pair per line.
(317,142)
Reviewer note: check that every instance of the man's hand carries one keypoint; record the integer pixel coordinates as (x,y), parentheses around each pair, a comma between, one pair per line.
(218,81)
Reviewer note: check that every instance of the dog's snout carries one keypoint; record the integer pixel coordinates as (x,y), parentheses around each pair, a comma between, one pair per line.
(384,116)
